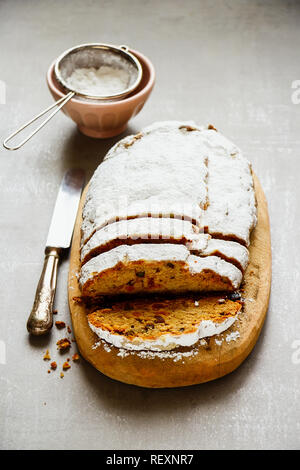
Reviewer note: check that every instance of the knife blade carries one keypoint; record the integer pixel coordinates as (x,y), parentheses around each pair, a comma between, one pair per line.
(40,320)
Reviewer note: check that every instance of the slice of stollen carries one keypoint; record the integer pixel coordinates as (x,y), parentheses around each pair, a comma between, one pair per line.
(153,268)
(163,324)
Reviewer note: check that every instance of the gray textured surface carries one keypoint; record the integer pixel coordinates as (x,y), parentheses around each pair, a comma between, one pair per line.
(230,63)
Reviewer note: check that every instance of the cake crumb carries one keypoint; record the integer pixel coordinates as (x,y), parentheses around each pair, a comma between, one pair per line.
(60,324)
(49,371)
(75,357)
(66,366)
(69,330)
(54,312)
(47,356)
(63,344)
(53,365)
(62,375)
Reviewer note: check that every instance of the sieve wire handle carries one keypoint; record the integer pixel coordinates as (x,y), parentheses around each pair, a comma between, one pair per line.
(60,103)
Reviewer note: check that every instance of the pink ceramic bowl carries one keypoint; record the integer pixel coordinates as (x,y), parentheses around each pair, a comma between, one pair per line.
(102,119)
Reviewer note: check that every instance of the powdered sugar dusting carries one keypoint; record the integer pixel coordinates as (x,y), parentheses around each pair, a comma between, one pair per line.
(176,356)
(232,336)
(105,345)
(218,341)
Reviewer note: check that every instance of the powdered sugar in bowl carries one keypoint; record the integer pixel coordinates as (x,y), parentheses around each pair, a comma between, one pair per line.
(99,86)
(105,80)
(109,117)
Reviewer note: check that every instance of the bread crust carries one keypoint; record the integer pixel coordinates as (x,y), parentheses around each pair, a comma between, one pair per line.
(199,363)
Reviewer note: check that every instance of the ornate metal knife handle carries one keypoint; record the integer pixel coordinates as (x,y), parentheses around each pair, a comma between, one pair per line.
(40,320)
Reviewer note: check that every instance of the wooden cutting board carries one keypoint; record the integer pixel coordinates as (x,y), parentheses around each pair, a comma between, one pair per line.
(212,360)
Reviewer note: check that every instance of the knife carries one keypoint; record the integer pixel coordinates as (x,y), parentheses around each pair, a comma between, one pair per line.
(40,320)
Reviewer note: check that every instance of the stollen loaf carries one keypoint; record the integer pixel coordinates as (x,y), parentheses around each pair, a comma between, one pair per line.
(170,210)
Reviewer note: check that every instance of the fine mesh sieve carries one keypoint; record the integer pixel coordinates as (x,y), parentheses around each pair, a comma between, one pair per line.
(87,56)
(97,55)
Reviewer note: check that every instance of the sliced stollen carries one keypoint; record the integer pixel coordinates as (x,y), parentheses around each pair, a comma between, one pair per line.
(143,230)
(163,324)
(162,268)
(205,360)
(162,171)
(171,171)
